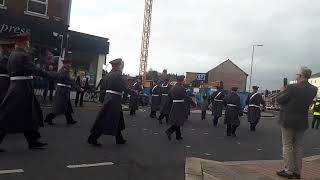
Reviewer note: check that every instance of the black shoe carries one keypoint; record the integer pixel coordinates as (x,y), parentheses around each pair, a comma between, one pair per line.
(179,138)
(234,135)
(37,145)
(94,143)
(2,150)
(123,141)
(169,135)
(284,174)
(214,125)
(51,123)
(228,134)
(72,122)
(296,176)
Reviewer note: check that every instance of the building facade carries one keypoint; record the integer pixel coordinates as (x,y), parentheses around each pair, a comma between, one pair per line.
(48,23)
(227,72)
(230,74)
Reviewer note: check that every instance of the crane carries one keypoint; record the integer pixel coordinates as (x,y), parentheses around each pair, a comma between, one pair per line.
(145,40)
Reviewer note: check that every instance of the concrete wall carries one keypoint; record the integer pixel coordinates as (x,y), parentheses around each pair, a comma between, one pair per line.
(230,74)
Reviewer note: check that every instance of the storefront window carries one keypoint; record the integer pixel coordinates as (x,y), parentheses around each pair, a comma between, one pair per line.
(2,2)
(37,6)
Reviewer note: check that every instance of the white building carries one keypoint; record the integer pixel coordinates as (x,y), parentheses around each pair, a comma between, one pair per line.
(315,80)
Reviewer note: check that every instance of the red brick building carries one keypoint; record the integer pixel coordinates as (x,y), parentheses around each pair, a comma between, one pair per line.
(48,21)
(227,72)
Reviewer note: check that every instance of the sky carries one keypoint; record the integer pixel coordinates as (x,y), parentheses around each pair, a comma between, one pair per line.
(197,35)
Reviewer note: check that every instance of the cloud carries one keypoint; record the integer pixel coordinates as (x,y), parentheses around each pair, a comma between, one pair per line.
(189,35)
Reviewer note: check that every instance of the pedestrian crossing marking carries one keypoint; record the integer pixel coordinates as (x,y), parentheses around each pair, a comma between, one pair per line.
(90,165)
(11,171)
(207,154)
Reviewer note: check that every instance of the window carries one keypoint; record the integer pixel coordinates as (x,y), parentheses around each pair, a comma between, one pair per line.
(39,7)
(2,3)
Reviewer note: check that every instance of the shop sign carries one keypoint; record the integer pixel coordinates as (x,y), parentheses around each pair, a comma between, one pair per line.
(13,29)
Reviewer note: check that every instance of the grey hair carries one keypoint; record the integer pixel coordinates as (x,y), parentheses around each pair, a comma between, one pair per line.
(306,72)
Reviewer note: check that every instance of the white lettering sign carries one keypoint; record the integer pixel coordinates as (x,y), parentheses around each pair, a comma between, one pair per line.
(201,77)
(5,28)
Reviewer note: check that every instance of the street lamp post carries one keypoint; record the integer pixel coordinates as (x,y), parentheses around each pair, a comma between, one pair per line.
(253,46)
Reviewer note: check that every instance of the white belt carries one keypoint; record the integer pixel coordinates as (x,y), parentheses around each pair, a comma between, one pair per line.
(17,78)
(218,100)
(232,105)
(178,101)
(114,92)
(155,95)
(165,94)
(253,105)
(63,85)
(4,75)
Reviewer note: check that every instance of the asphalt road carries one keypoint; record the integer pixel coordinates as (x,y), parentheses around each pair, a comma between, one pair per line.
(147,156)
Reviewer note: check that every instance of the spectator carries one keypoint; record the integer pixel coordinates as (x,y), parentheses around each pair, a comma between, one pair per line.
(316,114)
(83,82)
(204,107)
(295,100)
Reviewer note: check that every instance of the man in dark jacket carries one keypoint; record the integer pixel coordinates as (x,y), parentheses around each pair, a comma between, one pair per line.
(103,88)
(217,105)
(165,104)
(155,99)
(83,82)
(6,48)
(20,112)
(294,101)
(134,99)
(178,113)
(49,86)
(62,102)
(233,111)
(110,119)
(254,101)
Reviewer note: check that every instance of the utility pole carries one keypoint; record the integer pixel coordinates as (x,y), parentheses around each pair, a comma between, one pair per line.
(253,46)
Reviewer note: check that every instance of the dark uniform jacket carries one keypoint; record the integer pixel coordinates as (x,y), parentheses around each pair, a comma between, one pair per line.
(62,102)
(165,104)
(134,99)
(156,97)
(217,103)
(254,101)
(4,79)
(233,108)
(110,119)
(20,111)
(295,102)
(178,114)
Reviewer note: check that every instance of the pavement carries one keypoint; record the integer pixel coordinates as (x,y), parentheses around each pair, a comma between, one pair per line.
(148,154)
(202,169)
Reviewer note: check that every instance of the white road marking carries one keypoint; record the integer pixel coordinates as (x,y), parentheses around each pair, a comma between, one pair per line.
(205,133)
(207,154)
(90,165)
(238,143)
(133,125)
(11,171)
(155,133)
(188,146)
(144,129)
(192,129)
(259,149)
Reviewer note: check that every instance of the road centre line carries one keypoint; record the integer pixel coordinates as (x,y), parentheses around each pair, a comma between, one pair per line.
(11,171)
(90,165)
